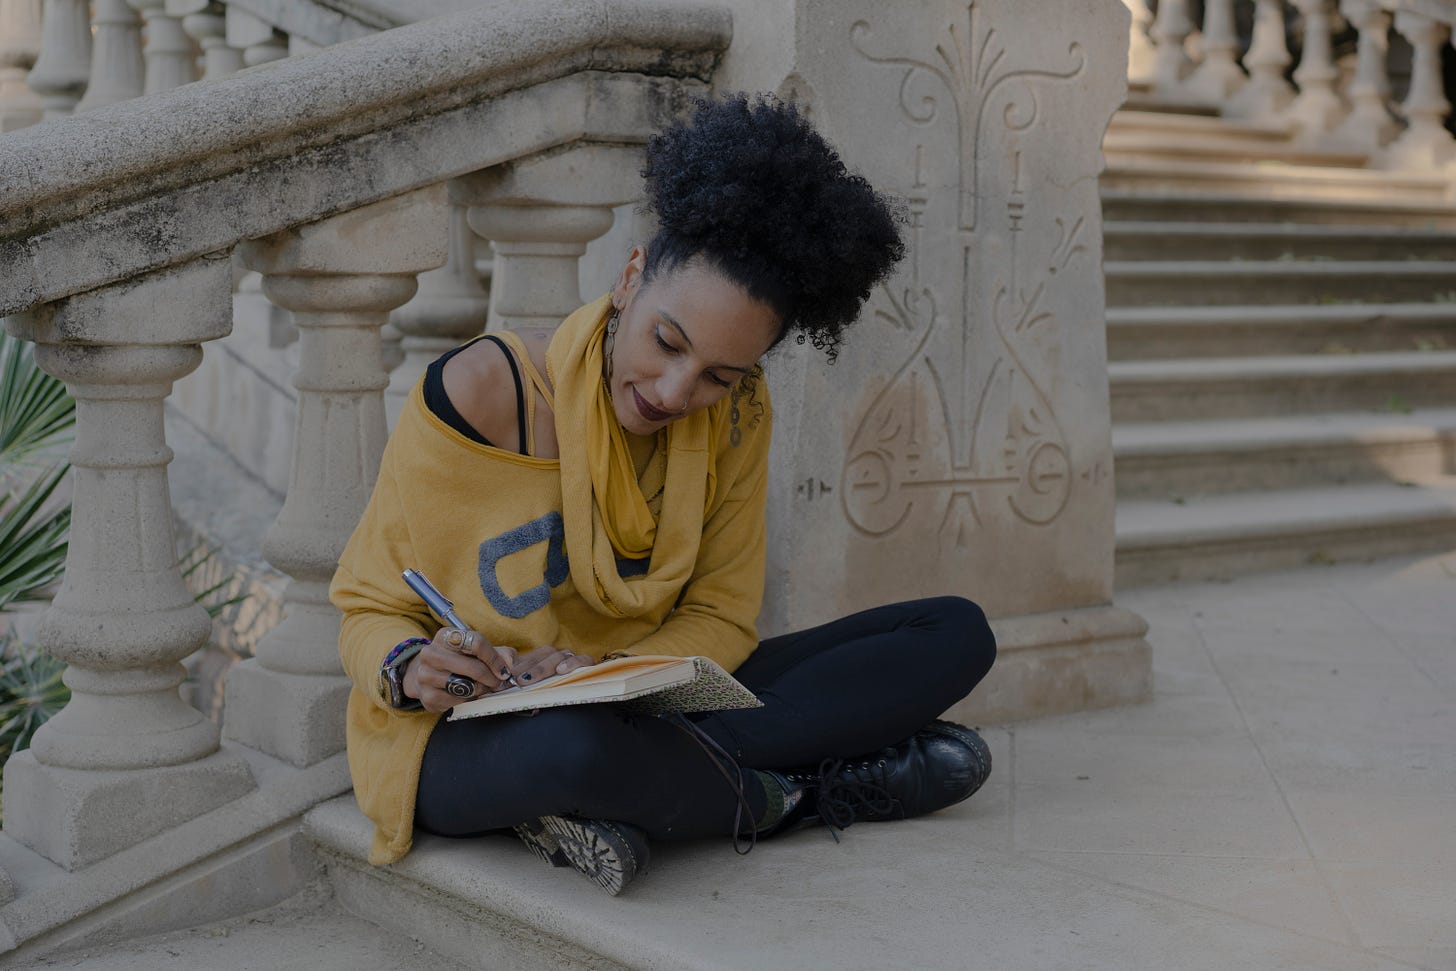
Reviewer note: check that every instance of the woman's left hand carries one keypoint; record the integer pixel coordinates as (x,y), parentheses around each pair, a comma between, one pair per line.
(544,662)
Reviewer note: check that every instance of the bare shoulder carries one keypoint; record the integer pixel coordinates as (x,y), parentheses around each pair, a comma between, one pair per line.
(478,383)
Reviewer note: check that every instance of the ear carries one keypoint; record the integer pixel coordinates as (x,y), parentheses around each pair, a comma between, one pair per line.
(629,281)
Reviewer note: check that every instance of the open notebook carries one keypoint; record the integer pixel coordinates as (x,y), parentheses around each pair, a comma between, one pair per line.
(647,684)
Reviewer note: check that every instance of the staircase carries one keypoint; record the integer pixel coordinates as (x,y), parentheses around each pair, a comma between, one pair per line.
(1281,331)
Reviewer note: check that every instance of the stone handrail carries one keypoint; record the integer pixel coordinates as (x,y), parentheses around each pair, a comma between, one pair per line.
(1326,106)
(341,176)
(179,158)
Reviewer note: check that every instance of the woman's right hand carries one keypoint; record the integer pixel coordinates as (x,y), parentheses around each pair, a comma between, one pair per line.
(456,652)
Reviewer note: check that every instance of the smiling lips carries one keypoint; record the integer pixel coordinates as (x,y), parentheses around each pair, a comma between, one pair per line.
(649,412)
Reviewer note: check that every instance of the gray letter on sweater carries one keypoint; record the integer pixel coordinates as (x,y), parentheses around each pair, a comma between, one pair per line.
(549,529)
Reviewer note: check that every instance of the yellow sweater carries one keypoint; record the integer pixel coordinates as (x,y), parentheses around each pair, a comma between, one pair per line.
(485,525)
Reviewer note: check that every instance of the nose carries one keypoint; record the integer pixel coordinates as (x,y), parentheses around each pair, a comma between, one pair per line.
(676,390)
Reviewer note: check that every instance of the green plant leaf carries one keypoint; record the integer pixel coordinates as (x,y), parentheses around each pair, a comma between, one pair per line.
(32,539)
(31,691)
(36,413)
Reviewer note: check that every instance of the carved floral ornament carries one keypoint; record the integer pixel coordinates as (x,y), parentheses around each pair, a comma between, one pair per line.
(949,435)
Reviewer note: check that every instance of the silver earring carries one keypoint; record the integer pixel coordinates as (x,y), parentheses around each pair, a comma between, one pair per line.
(610,344)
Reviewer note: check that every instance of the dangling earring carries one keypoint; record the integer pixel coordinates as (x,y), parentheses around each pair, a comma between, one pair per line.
(609,345)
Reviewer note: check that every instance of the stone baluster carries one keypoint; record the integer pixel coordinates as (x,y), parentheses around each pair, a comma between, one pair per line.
(1318,109)
(340,277)
(63,68)
(539,215)
(1425,144)
(1141,54)
(1267,94)
(1219,76)
(118,72)
(126,758)
(19,47)
(256,38)
(205,21)
(1170,31)
(1370,124)
(170,53)
(451,307)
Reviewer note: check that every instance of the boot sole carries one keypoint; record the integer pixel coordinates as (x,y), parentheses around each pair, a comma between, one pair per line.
(596,848)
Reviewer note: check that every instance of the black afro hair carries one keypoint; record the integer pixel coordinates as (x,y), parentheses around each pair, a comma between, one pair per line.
(750,188)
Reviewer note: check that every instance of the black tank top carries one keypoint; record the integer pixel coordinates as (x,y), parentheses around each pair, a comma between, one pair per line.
(441,407)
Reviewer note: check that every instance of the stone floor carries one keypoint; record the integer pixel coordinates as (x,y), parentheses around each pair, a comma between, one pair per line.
(1286,801)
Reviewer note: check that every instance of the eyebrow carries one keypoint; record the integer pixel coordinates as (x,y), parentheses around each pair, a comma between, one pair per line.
(673,320)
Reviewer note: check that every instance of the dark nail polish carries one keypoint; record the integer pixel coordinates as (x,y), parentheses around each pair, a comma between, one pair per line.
(525,677)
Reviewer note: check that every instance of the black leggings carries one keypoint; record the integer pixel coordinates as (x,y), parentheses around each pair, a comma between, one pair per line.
(847,688)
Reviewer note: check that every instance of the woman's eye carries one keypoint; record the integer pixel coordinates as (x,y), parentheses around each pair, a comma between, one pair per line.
(668,348)
(719,381)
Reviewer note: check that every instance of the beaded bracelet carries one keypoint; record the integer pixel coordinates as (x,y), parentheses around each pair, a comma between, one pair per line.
(403,651)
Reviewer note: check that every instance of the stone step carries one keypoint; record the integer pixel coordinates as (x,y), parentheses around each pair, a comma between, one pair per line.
(1226,282)
(1154,333)
(1136,204)
(1224,536)
(1182,460)
(1196,124)
(1142,100)
(1218,388)
(1122,147)
(1274,241)
(1271,180)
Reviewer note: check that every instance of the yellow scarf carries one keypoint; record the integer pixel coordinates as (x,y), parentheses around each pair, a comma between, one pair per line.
(604,505)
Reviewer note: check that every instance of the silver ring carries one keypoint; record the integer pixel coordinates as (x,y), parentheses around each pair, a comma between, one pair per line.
(457,638)
(459,686)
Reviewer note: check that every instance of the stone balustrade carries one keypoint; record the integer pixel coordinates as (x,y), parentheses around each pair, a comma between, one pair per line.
(345,174)
(1337,105)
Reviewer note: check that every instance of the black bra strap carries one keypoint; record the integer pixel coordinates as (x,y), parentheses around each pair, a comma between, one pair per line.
(520,390)
(444,409)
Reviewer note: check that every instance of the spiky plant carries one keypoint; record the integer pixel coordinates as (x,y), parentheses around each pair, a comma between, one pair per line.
(37,418)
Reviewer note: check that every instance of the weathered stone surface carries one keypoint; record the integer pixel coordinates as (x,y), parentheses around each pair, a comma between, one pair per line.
(75,817)
(139,185)
(961,443)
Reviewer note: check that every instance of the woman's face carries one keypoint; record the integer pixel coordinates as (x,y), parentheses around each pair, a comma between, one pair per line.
(683,341)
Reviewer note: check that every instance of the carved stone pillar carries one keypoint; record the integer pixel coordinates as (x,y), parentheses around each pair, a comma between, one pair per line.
(340,277)
(961,444)
(1318,109)
(171,56)
(450,307)
(63,69)
(1169,31)
(1370,124)
(539,215)
(1141,53)
(126,758)
(256,38)
(1425,144)
(1219,76)
(1267,94)
(205,21)
(118,72)
(19,47)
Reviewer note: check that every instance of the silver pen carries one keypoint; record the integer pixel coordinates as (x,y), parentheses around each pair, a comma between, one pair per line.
(441,607)
(434,599)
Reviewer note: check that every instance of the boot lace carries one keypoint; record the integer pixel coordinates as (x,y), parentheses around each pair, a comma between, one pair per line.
(848,788)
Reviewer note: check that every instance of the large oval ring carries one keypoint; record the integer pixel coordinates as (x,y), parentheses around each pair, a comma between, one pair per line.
(456,638)
(459,686)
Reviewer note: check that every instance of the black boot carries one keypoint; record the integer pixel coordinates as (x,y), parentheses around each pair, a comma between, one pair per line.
(939,766)
(612,854)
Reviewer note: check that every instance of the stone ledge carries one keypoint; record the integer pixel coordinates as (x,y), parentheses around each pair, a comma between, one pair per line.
(155,885)
(1063,661)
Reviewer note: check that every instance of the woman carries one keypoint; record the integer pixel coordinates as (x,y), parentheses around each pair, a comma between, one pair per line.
(598,490)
